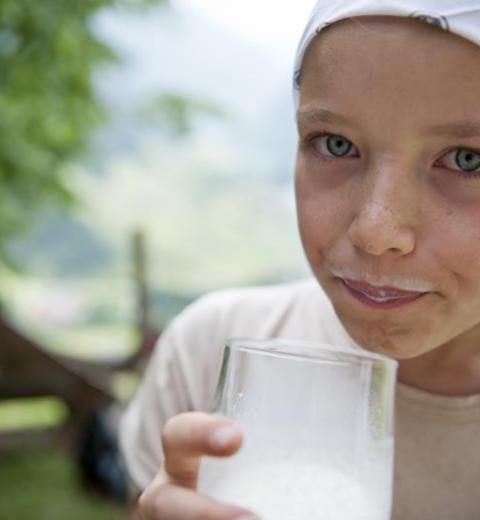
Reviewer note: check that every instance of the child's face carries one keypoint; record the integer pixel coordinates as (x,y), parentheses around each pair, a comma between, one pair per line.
(394,200)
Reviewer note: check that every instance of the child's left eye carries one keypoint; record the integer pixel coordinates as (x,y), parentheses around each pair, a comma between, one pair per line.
(462,160)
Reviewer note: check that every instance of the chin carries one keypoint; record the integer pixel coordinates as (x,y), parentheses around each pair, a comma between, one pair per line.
(396,344)
(397,352)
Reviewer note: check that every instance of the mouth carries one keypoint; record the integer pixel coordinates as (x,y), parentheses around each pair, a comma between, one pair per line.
(380,297)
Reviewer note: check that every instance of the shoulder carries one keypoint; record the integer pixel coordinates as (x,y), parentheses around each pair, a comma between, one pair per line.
(252,304)
(296,310)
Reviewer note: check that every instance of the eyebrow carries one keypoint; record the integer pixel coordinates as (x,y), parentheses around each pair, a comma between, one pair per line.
(459,130)
(462,129)
(320,115)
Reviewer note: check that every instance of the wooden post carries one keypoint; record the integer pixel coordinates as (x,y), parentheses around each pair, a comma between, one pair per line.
(142,319)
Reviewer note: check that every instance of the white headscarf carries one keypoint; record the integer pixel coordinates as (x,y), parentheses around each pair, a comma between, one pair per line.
(458,16)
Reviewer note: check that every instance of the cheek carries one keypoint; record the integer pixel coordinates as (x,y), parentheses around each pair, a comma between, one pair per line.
(457,241)
(322,209)
(448,245)
(462,256)
(455,204)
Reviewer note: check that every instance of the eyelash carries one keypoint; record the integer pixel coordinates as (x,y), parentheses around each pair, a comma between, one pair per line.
(310,140)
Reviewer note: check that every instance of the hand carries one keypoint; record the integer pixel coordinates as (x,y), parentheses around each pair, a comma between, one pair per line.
(171,495)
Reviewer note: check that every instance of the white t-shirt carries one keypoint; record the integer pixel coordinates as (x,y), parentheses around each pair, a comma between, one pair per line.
(437,463)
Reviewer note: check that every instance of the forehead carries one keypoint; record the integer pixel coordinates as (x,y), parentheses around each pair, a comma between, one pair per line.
(366,56)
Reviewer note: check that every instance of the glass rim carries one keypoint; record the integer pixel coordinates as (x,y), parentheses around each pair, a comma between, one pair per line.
(308,351)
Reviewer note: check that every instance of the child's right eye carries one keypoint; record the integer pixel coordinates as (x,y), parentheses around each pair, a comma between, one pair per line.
(337,146)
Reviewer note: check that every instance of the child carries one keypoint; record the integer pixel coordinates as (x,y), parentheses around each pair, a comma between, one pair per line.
(388,202)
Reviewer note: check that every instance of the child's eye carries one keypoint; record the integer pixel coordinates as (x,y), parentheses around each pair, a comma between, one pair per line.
(462,160)
(334,146)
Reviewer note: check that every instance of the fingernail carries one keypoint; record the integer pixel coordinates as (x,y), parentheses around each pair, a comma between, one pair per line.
(223,437)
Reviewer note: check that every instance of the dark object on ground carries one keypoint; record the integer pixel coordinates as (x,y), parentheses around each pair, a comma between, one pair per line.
(99,459)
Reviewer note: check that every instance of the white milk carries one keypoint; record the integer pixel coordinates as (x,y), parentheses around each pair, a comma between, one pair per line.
(297,491)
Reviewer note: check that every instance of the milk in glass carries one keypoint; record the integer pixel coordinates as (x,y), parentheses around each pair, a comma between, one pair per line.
(318,432)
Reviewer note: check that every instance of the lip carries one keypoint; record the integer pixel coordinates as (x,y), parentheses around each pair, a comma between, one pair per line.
(380,297)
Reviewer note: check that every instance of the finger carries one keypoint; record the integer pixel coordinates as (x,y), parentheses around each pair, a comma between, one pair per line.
(189,436)
(170,502)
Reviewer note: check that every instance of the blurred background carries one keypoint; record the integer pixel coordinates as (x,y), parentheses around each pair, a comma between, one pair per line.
(146,157)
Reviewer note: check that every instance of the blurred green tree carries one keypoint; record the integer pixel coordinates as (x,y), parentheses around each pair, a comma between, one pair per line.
(176,112)
(48,55)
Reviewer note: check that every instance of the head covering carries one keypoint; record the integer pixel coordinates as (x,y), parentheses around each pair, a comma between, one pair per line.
(458,16)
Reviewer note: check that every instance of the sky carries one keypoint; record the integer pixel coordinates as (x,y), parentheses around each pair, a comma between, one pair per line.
(275,25)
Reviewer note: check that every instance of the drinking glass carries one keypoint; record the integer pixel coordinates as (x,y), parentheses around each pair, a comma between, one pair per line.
(318,431)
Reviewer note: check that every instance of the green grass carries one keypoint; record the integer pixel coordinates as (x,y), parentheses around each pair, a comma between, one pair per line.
(43,485)
(32,413)
(88,342)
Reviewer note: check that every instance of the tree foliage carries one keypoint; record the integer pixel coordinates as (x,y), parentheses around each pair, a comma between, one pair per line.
(177,111)
(48,108)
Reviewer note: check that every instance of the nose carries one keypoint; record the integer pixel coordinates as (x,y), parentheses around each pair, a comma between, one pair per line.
(385,214)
